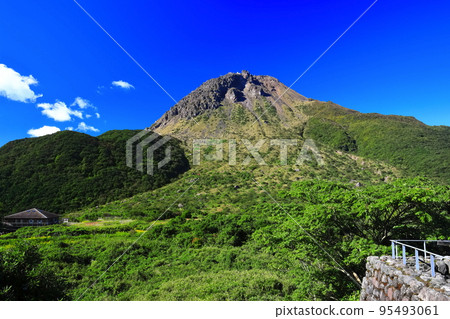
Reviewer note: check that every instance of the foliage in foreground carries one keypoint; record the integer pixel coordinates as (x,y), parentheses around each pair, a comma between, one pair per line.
(310,246)
(25,276)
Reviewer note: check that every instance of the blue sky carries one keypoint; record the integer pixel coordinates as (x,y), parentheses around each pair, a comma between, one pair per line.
(395,60)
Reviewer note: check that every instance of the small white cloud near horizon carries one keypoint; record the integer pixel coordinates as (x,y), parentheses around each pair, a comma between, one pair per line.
(16,87)
(82,103)
(59,111)
(45,130)
(123,84)
(70,128)
(84,128)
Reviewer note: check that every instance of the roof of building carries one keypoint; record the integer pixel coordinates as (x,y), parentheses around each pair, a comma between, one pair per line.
(33,213)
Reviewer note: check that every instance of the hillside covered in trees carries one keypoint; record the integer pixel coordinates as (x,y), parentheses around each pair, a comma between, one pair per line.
(68,170)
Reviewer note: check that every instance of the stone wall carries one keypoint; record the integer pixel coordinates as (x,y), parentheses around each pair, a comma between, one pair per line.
(388,279)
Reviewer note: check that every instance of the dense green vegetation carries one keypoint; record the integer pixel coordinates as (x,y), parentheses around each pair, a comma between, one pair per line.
(25,276)
(66,171)
(310,244)
(330,133)
(233,189)
(408,144)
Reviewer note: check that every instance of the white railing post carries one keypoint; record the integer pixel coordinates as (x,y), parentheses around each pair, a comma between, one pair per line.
(393,250)
(425,250)
(433,272)
(417,258)
(404,254)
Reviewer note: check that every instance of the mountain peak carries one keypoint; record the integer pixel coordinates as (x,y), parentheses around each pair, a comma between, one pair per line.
(228,90)
(245,74)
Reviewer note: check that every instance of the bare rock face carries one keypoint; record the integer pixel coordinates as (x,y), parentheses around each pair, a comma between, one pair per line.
(442,268)
(234,95)
(243,88)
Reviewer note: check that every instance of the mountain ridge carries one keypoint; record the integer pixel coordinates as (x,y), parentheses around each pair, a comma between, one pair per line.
(242,105)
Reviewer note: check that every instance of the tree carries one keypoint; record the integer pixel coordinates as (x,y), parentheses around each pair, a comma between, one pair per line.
(336,226)
(25,277)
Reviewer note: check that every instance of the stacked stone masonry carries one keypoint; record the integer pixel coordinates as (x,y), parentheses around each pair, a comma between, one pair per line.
(388,279)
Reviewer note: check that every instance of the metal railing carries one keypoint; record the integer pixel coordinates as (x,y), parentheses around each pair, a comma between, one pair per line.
(401,242)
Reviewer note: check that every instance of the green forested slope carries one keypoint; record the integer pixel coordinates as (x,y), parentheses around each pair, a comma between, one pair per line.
(65,171)
(408,144)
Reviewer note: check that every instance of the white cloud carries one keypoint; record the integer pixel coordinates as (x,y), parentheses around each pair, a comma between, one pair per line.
(123,84)
(59,111)
(45,130)
(88,116)
(98,115)
(16,87)
(83,127)
(100,89)
(82,103)
(70,128)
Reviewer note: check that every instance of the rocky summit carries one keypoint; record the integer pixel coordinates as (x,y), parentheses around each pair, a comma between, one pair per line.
(230,90)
